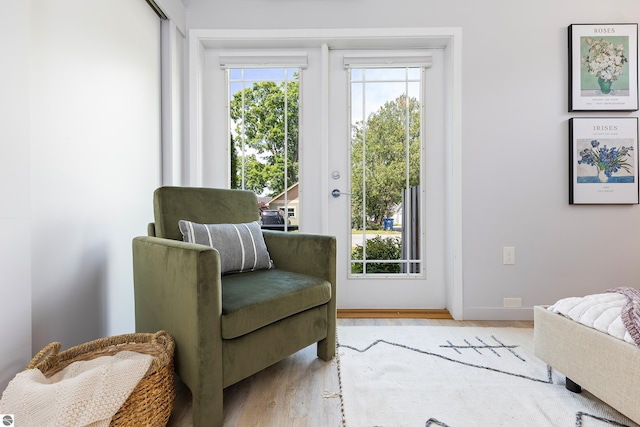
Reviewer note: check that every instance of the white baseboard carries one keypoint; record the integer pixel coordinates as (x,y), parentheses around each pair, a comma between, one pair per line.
(498,313)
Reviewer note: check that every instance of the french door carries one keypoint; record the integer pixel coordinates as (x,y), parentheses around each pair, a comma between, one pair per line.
(386,155)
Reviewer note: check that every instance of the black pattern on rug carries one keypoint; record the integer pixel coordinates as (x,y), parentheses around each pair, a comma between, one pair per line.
(434,422)
(579,417)
(510,348)
(484,346)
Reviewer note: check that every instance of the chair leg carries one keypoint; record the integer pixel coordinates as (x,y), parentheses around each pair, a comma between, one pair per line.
(208,412)
(326,349)
(571,386)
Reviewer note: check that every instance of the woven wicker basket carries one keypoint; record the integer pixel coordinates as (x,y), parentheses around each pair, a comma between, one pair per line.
(151,402)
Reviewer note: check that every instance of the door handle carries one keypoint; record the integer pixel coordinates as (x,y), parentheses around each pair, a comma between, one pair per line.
(336,193)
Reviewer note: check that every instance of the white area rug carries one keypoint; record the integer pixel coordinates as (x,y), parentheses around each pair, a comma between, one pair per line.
(394,376)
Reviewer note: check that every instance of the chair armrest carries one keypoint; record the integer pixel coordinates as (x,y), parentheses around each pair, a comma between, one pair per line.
(311,254)
(314,255)
(178,289)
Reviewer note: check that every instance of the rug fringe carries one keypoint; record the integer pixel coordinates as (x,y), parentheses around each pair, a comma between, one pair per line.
(331,394)
(337,359)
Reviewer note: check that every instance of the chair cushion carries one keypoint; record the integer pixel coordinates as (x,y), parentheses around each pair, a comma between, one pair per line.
(241,246)
(256,299)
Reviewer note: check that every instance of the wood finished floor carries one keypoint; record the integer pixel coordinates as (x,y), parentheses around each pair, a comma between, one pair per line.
(291,393)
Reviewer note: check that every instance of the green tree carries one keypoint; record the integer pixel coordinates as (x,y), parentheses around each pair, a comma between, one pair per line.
(234,164)
(383,170)
(262,123)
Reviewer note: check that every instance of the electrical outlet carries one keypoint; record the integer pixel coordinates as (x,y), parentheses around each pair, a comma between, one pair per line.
(512,302)
(508,255)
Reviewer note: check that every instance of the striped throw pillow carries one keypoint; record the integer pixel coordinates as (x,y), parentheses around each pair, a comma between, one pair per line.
(241,246)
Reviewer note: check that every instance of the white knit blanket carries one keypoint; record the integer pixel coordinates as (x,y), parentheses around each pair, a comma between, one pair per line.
(598,311)
(82,394)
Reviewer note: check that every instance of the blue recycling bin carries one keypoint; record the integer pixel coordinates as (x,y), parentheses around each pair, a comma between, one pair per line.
(387,223)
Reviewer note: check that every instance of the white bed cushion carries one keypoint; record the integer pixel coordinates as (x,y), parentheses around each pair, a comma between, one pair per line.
(598,311)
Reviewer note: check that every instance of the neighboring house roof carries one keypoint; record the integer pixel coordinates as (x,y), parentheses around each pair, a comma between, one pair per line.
(292,195)
(264,200)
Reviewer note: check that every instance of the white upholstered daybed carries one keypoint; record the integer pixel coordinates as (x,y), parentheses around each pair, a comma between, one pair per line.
(606,366)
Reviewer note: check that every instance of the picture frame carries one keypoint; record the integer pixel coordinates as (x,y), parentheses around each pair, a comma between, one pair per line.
(603,160)
(603,67)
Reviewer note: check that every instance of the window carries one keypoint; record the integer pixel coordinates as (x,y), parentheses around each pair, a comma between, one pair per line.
(263,115)
(263,119)
(386,169)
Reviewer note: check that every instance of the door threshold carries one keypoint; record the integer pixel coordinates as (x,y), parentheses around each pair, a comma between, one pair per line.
(347,313)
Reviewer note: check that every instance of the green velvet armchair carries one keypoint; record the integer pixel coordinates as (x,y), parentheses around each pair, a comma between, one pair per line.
(229,326)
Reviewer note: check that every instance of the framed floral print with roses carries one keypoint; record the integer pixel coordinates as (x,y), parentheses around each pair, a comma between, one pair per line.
(603,67)
(603,160)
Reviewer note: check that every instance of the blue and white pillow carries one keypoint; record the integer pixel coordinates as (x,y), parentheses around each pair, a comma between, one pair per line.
(241,246)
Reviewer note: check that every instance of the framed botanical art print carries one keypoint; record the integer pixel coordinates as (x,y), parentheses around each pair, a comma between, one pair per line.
(603,160)
(603,67)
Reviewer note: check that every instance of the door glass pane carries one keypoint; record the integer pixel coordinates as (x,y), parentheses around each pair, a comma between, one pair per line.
(263,117)
(386,146)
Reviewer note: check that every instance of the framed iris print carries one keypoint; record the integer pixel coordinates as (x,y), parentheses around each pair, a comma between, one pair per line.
(603,67)
(603,160)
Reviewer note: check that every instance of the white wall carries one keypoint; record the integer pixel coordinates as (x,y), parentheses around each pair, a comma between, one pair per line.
(515,139)
(79,159)
(15,242)
(94,163)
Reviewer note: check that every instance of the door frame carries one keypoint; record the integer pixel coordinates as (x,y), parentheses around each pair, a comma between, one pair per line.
(449,39)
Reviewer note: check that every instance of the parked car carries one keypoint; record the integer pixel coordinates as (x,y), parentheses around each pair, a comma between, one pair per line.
(271,217)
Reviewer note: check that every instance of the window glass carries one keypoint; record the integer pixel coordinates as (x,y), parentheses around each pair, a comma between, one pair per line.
(385,163)
(263,117)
